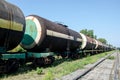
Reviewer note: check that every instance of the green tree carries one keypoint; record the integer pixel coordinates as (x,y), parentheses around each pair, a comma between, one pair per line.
(84,31)
(95,36)
(89,33)
(103,40)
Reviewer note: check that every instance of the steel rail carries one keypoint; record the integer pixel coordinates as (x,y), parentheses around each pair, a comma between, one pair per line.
(91,68)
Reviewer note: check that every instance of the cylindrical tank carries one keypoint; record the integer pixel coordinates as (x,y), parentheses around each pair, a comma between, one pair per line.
(100,46)
(42,35)
(104,47)
(12,25)
(88,43)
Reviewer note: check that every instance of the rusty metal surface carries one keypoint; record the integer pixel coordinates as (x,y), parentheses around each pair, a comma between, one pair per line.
(90,43)
(55,37)
(12,25)
(100,45)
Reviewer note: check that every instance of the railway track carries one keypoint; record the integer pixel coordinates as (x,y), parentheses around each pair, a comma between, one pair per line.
(115,71)
(107,68)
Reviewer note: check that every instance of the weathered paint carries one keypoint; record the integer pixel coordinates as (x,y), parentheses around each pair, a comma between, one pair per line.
(12,25)
(51,36)
(32,33)
(96,44)
(79,40)
(13,56)
(23,55)
(6,24)
(39,55)
(59,35)
(84,41)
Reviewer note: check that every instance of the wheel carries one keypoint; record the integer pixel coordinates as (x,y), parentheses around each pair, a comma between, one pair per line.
(38,62)
(22,61)
(52,59)
(2,66)
(12,65)
(63,55)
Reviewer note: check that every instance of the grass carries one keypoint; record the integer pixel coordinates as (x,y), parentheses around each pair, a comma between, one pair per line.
(17,49)
(48,76)
(39,70)
(111,57)
(59,68)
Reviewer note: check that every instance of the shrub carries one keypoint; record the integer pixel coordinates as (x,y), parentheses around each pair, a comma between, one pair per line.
(39,70)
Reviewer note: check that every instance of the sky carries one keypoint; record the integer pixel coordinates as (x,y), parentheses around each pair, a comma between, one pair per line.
(102,16)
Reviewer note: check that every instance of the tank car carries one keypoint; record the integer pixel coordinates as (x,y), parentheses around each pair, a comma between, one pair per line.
(100,46)
(40,39)
(12,25)
(88,43)
(43,35)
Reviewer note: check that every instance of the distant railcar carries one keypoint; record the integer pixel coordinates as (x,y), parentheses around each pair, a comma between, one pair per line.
(88,43)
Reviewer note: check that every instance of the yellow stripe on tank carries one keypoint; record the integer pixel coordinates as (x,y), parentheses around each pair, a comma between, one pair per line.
(6,24)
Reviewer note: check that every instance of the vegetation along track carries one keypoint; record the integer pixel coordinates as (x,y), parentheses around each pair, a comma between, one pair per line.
(57,70)
(101,70)
(115,71)
(105,69)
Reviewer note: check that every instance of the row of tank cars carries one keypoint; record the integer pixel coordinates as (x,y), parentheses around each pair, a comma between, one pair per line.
(41,38)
